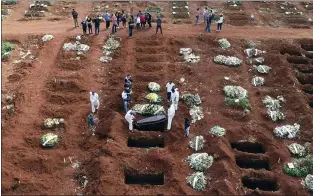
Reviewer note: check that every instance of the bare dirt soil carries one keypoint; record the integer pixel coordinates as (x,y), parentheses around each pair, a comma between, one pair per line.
(54,83)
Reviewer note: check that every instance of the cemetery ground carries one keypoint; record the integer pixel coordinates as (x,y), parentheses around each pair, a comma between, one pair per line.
(41,80)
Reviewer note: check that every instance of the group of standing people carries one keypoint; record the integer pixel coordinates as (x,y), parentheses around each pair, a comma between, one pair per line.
(208,16)
(141,20)
(172,95)
(119,18)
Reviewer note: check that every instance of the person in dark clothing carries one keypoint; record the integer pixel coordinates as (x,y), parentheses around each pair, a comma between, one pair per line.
(91,123)
(208,23)
(187,127)
(131,25)
(148,18)
(159,22)
(210,17)
(89,25)
(84,26)
(128,79)
(118,17)
(75,16)
(123,19)
(97,25)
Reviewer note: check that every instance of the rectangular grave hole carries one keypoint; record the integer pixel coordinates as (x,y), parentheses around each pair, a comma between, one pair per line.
(249,147)
(252,163)
(290,51)
(145,142)
(151,179)
(261,184)
(307,47)
(297,60)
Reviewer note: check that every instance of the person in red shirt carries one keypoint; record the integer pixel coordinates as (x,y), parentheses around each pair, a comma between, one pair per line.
(114,23)
(142,20)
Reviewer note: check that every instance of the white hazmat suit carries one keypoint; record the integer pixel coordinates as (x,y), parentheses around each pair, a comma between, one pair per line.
(176,98)
(94,100)
(170,116)
(130,118)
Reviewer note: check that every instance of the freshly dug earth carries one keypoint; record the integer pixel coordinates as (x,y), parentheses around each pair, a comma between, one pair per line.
(58,86)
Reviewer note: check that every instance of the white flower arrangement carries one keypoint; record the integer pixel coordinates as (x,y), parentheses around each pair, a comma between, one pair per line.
(287,131)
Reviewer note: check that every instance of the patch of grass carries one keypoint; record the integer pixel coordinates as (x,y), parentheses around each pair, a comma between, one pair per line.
(239,103)
(153,9)
(302,168)
(7,47)
(10,2)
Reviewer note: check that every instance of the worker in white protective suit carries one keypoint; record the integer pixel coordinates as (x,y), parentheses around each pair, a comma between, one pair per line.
(170,116)
(130,119)
(176,98)
(94,100)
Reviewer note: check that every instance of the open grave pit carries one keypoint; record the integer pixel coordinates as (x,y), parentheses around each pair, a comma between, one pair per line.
(149,43)
(147,178)
(249,147)
(151,58)
(307,47)
(152,50)
(247,162)
(305,78)
(296,21)
(145,142)
(151,67)
(65,85)
(65,99)
(309,55)
(292,51)
(72,64)
(238,19)
(263,184)
(307,88)
(148,77)
(303,68)
(297,60)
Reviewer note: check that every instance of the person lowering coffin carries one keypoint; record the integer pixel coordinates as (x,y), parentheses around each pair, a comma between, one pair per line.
(170,116)
(169,87)
(125,99)
(176,98)
(130,119)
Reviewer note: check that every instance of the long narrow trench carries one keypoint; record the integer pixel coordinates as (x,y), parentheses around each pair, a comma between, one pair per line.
(303,68)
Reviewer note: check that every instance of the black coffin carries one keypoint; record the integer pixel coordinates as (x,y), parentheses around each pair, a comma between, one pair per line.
(153,123)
